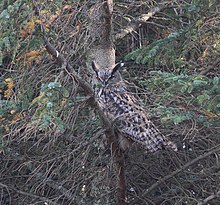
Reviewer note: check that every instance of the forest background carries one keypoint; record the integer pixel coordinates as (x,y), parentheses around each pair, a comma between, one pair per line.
(52,144)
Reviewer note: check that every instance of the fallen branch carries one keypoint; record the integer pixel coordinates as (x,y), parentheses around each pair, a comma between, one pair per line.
(209,198)
(161,181)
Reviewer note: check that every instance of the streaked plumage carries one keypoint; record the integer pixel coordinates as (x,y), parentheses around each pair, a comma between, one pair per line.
(126,112)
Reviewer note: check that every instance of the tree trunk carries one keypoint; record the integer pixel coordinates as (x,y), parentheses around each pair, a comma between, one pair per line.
(103,53)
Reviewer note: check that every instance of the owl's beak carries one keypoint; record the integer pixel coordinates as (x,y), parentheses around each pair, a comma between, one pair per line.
(104,84)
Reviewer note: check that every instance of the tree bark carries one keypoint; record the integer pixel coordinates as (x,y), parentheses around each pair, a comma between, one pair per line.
(103,53)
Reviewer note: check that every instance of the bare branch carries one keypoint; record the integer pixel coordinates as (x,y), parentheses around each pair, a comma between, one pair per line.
(107,125)
(44,199)
(209,198)
(155,185)
(137,22)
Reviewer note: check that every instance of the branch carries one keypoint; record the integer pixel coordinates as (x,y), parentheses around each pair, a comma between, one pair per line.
(121,177)
(214,65)
(68,68)
(137,22)
(155,185)
(110,131)
(209,198)
(87,88)
(60,58)
(40,177)
(44,199)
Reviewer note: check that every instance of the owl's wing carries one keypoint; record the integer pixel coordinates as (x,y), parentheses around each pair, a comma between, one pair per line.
(144,133)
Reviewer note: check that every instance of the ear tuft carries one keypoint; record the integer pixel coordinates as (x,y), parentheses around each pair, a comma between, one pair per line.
(94,67)
(117,66)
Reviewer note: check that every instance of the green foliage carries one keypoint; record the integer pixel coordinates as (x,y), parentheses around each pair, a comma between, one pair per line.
(191,96)
(160,52)
(20,50)
(191,42)
(50,102)
(9,114)
(11,18)
(9,108)
(187,49)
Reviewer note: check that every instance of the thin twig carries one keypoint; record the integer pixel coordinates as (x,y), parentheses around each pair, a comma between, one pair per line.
(209,198)
(155,185)
(44,199)
(107,125)
(61,60)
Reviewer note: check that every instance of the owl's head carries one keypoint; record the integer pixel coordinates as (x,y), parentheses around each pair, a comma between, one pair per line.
(104,76)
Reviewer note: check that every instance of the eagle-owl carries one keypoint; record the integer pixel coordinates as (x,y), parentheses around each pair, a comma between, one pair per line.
(125,111)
